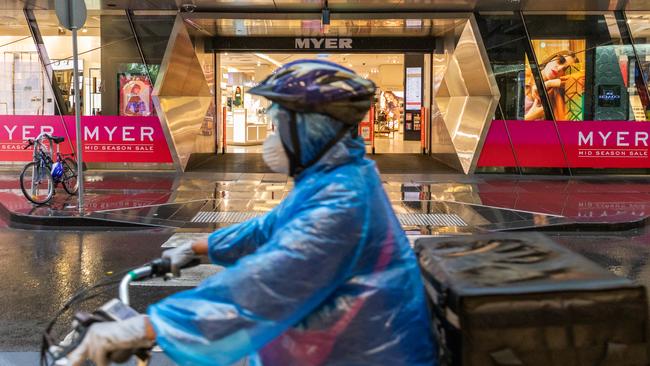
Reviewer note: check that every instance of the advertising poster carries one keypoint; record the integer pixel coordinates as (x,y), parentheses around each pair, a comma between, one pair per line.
(561,64)
(567,144)
(135,95)
(106,139)
(238,97)
(413,88)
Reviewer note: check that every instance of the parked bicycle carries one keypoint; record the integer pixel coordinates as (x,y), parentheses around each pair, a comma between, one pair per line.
(39,178)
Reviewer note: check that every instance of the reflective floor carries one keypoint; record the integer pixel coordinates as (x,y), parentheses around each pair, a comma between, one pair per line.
(42,268)
(396,144)
(507,198)
(384,144)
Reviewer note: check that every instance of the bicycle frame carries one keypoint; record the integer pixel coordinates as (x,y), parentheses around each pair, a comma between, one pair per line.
(45,157)
(43,160)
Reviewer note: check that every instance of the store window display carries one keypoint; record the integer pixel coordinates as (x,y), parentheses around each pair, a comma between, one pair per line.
(638,70)
(24,88)
(568,67)
(563,78)
(247,124)
(241,71)
(588,70)
(58,45)
(389,113)
(135,96)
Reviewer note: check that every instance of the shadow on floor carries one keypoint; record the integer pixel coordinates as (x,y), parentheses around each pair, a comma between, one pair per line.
(253,163)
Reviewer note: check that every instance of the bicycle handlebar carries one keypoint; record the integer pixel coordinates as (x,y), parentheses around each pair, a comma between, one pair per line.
(115,310)
(55,139)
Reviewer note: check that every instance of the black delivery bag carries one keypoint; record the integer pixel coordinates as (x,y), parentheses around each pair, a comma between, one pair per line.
(521,299)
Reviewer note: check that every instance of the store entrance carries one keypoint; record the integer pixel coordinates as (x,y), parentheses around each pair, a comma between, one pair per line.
(392,126)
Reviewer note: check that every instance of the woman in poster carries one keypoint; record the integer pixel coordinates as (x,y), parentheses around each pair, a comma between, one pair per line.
(135,96)
(135,106)
(239,99)
(392,109)
(562,86)
(533,109)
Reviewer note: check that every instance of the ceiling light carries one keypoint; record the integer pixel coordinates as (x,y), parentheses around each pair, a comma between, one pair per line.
(232,69)
(84,30)
(267,58)
(259,63)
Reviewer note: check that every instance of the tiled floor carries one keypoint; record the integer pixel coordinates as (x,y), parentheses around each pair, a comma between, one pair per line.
(393,144)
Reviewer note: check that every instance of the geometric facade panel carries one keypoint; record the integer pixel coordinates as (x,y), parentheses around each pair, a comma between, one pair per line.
(181,96)
(465,96)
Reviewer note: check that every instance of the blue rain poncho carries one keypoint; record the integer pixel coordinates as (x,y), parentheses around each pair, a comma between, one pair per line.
(325,278)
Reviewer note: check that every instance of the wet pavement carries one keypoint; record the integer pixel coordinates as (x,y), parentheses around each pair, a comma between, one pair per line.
(42,268)
(111,196)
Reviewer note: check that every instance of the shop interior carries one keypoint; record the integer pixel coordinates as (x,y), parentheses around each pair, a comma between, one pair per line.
(247,123)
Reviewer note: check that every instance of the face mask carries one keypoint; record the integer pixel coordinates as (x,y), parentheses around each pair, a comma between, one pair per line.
(274,155)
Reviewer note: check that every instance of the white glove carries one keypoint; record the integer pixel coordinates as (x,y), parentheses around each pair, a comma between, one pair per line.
(180,256)
(104,338)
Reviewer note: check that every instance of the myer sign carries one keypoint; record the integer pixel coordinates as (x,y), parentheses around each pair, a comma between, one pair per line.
(327,44)
(323,43)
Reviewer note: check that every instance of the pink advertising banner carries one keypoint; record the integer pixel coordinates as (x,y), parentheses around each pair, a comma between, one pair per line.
(584,144)
(107,139)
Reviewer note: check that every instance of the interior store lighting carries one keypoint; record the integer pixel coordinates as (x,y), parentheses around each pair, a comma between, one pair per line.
(267,58)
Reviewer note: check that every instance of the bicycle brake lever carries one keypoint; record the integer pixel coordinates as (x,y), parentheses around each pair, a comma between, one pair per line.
(193,263)
(163,266)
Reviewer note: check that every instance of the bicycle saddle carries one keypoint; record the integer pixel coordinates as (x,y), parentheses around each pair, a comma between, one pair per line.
(58,139)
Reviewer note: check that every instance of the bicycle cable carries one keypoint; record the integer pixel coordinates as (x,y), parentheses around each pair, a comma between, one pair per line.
(79,297)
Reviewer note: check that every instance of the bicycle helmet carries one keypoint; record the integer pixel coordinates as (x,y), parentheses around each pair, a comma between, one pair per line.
(315,86)
(321,87)
(57,171)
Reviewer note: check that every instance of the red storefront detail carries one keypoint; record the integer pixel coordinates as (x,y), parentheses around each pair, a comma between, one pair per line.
(585,144)
(366,126)
(107,139)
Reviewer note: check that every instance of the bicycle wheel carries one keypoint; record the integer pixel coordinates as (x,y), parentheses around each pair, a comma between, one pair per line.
(36,183)
(69,180)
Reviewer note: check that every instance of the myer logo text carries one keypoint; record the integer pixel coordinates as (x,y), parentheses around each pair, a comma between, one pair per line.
(323,43)
(625,144)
